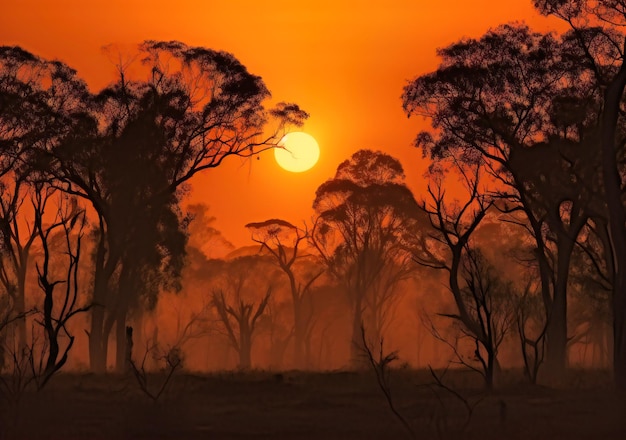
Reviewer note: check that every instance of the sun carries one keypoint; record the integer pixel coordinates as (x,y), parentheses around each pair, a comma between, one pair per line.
(300,152)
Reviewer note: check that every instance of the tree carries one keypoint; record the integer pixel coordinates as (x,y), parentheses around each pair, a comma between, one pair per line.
(593,290)
(510,95)
(531,329)
(283,240)
(593,23)
(58,232)
(15,250)
(235,304)
(58,310)
(142,142)
(489,301)
(479,295)
(365,216)
(40,103)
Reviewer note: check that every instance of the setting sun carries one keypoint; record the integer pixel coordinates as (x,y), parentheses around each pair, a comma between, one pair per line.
(300,152)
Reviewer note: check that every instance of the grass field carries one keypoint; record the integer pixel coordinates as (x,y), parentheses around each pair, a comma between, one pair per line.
(339,405)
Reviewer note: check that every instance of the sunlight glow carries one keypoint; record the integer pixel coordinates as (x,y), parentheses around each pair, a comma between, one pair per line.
(300,153)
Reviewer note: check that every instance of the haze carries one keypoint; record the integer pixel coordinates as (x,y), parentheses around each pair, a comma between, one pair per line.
(453,266)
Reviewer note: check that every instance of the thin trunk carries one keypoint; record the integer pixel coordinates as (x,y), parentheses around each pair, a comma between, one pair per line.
(245,350)
(98,341)
(491,361)
(356,341)
(53,344)
(556,356)
(299,335)
(20,301)
(120,343)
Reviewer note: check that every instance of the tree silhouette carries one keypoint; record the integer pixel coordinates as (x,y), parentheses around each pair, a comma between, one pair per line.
(143,140)
(236,306)
(596,29)
(480,296)
(18,235)
(531,329)
(365,215)
(58,310)
(489,301)
(521,103)
(40,104)
(283,240)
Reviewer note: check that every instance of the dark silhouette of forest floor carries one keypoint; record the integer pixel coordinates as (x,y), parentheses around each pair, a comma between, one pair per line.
(341,405)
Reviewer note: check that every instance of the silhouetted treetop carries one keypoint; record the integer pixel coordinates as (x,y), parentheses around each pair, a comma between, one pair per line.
(217,82)
(496,90)
(279,223)
(366,167)
(609,11)
(41,103)
(595,36)
(366,218)
(369,179)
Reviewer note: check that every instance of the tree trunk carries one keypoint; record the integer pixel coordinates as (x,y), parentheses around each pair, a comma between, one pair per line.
(20,301)
(356,342)
(619,320)
(491,361)
(98,338)
(298,337)
(617,219)
(51,336)
(245,351)
(120,343)
(556,356)
(121,313)
(307,350)
(98,343)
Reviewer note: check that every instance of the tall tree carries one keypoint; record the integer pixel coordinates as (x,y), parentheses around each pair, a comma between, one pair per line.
(194,108)
(18,235)
(365,215)
(41,102)
(599,24)
(501,99)
(475,288)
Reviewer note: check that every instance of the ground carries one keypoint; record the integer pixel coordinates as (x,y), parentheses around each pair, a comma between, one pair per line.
(337,405)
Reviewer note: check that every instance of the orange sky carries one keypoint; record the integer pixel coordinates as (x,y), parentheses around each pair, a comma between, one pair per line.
(342,61)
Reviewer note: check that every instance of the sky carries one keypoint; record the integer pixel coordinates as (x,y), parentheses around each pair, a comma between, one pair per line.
(344,62)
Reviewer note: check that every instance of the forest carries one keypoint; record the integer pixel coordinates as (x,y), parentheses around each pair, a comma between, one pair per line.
(513,262)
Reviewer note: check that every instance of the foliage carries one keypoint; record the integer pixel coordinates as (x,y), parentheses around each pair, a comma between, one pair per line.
(129,150)
(365,218)
(283,242)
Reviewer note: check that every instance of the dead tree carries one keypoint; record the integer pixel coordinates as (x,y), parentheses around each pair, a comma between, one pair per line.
(488,300)
(239,319)
(58,307)
(470,281)
(283,241)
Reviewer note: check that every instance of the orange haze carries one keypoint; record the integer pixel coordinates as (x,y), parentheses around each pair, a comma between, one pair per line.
(342,61)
